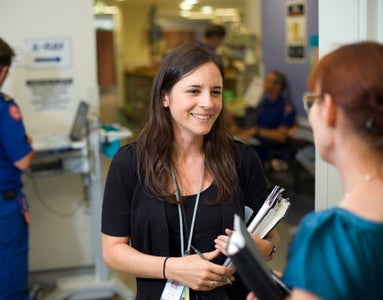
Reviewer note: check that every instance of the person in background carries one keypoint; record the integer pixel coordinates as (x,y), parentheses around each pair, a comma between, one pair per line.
(177,188)
(16,155)
(337,253)
(214,36)
(275,116)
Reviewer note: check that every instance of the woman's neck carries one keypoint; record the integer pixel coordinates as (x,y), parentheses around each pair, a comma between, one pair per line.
(365,199)
(190,174)
(361,173)
(187,148)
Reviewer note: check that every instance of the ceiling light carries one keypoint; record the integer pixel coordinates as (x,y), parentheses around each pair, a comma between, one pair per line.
(207,10)
(185,6)
(192,2)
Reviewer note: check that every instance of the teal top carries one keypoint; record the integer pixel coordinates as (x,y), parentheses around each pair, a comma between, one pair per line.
(337,255)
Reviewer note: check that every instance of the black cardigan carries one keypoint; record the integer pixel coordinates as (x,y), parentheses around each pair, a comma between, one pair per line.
(130,210)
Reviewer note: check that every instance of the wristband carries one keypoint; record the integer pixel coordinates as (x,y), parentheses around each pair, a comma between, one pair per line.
(273,250)
(164,267)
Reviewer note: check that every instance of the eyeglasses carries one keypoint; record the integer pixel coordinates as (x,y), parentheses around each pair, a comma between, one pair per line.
(308,100)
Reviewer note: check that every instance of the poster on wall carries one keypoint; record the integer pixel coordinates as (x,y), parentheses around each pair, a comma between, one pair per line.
(296,31)
(313,51)
(50,94)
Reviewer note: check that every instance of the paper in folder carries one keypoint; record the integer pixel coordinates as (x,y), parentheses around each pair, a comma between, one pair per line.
(251,266)
(272,211)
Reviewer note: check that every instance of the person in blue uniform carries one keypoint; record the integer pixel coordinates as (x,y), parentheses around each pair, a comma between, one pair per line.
(16,155)
(275,116)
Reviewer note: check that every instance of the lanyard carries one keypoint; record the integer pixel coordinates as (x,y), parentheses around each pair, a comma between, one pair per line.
(180,211)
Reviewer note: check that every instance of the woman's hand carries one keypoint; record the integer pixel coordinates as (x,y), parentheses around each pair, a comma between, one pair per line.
(199,273)
(265,246)
(222,240)
(195,271)
(251,296)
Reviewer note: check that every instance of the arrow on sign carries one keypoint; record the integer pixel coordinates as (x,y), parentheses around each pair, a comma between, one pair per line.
(47,59)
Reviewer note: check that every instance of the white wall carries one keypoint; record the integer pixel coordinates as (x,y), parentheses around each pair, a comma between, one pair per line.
(39,20)
(60,234)
(340,22)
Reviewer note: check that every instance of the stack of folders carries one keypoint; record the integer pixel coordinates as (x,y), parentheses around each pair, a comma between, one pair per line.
(252,267)
(272,211)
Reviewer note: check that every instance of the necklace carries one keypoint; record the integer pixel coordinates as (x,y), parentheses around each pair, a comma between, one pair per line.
(367,178)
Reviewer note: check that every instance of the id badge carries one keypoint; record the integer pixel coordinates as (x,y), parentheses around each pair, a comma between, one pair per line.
(186,295)
(174,291)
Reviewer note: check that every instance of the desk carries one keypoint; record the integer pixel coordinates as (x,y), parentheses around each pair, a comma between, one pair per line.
(88,162)
(67,161)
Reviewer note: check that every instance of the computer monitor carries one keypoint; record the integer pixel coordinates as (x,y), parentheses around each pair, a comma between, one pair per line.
(76,133)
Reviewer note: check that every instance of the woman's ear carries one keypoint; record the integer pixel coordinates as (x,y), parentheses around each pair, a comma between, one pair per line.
(330,110)
(165,100)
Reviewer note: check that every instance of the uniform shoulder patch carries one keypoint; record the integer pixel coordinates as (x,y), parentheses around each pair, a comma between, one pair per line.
(14,112)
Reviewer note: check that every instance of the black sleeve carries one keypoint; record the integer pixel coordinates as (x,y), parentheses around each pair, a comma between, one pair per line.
(252,178)
(120,182)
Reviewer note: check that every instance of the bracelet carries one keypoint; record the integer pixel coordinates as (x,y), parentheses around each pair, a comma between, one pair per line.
(273,250)
(164,267)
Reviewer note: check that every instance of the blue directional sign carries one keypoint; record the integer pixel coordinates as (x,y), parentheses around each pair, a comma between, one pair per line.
(48,53)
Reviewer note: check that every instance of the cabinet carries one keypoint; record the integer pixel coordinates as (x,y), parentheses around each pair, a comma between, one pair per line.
(241,47)
(138,87)
(240,54)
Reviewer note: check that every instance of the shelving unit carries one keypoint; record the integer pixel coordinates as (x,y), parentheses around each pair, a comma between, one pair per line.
(240,54)
(138,86)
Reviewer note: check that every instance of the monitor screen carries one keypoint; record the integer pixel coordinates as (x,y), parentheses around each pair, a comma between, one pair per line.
(76,133)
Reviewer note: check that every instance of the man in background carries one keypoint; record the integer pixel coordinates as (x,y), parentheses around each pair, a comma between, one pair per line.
(214,36)
(275,116)
(16,155)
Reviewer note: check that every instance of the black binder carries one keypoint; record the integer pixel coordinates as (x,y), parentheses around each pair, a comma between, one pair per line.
(251,266)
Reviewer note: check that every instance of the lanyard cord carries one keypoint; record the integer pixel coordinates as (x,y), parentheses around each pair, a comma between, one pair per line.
(179,212)
(179,204)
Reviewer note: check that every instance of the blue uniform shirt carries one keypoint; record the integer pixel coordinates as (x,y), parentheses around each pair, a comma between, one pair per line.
(274,114)
(13,143)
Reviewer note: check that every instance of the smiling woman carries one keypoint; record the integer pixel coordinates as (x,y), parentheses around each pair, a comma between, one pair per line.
(180,185)
(195,102)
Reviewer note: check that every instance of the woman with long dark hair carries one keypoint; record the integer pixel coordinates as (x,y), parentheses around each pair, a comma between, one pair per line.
(173,191)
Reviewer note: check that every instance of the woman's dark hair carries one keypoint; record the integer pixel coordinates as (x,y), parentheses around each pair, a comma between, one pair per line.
(353,76)
(155,141)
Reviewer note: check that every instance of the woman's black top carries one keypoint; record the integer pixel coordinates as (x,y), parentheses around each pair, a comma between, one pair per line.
(153,225)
